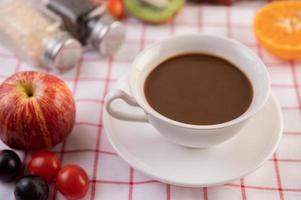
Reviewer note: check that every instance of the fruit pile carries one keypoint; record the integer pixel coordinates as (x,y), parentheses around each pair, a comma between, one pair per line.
(38,111)
(44,167)
(150,11)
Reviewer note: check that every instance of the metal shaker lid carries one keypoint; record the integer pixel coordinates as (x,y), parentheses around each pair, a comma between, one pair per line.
(62,52)
(107,35)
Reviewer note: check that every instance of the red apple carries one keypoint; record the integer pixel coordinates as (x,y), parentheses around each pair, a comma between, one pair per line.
(37,110)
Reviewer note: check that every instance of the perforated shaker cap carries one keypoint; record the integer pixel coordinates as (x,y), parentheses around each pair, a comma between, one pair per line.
(63,52)
(107,35)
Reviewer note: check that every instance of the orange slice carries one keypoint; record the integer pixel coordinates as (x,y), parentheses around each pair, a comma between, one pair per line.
(278,28)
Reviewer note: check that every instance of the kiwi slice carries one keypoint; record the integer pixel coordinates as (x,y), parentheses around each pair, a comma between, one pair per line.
(154,11)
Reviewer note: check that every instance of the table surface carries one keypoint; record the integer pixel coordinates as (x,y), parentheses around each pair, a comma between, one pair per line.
(111,178)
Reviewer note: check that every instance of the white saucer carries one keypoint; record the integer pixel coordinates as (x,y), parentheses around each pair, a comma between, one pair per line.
(140,145)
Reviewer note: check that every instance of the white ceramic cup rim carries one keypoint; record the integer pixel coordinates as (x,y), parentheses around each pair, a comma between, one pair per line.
(148,109)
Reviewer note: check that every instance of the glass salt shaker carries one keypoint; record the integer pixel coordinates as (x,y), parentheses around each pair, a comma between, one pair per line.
(34,33)
(90,24)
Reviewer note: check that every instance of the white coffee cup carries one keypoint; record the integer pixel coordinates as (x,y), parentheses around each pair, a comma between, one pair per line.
(181,133)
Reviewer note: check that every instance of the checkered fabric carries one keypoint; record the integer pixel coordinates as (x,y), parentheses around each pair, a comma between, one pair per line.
(227,2)
(113,179)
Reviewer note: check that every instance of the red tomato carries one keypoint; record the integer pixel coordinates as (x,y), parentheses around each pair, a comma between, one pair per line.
(45,164)
(72,181)
(115,8)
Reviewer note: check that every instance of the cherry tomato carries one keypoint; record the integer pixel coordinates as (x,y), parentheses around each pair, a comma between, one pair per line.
(72,181)
(115,8)
(45,164)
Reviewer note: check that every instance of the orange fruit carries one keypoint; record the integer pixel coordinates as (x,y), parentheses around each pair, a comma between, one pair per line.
(278,28)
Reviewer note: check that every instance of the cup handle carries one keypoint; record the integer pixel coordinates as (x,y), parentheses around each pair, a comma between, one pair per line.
(119,94)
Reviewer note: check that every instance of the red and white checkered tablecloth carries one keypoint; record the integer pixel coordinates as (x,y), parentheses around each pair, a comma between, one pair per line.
(111,178)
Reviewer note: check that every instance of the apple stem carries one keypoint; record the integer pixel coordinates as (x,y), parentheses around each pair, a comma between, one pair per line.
(29,90)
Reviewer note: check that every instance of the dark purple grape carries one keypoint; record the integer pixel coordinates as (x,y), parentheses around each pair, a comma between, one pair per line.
(10,166)
(31,188)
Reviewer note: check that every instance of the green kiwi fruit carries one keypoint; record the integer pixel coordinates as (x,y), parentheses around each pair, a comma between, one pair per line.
(154,11)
